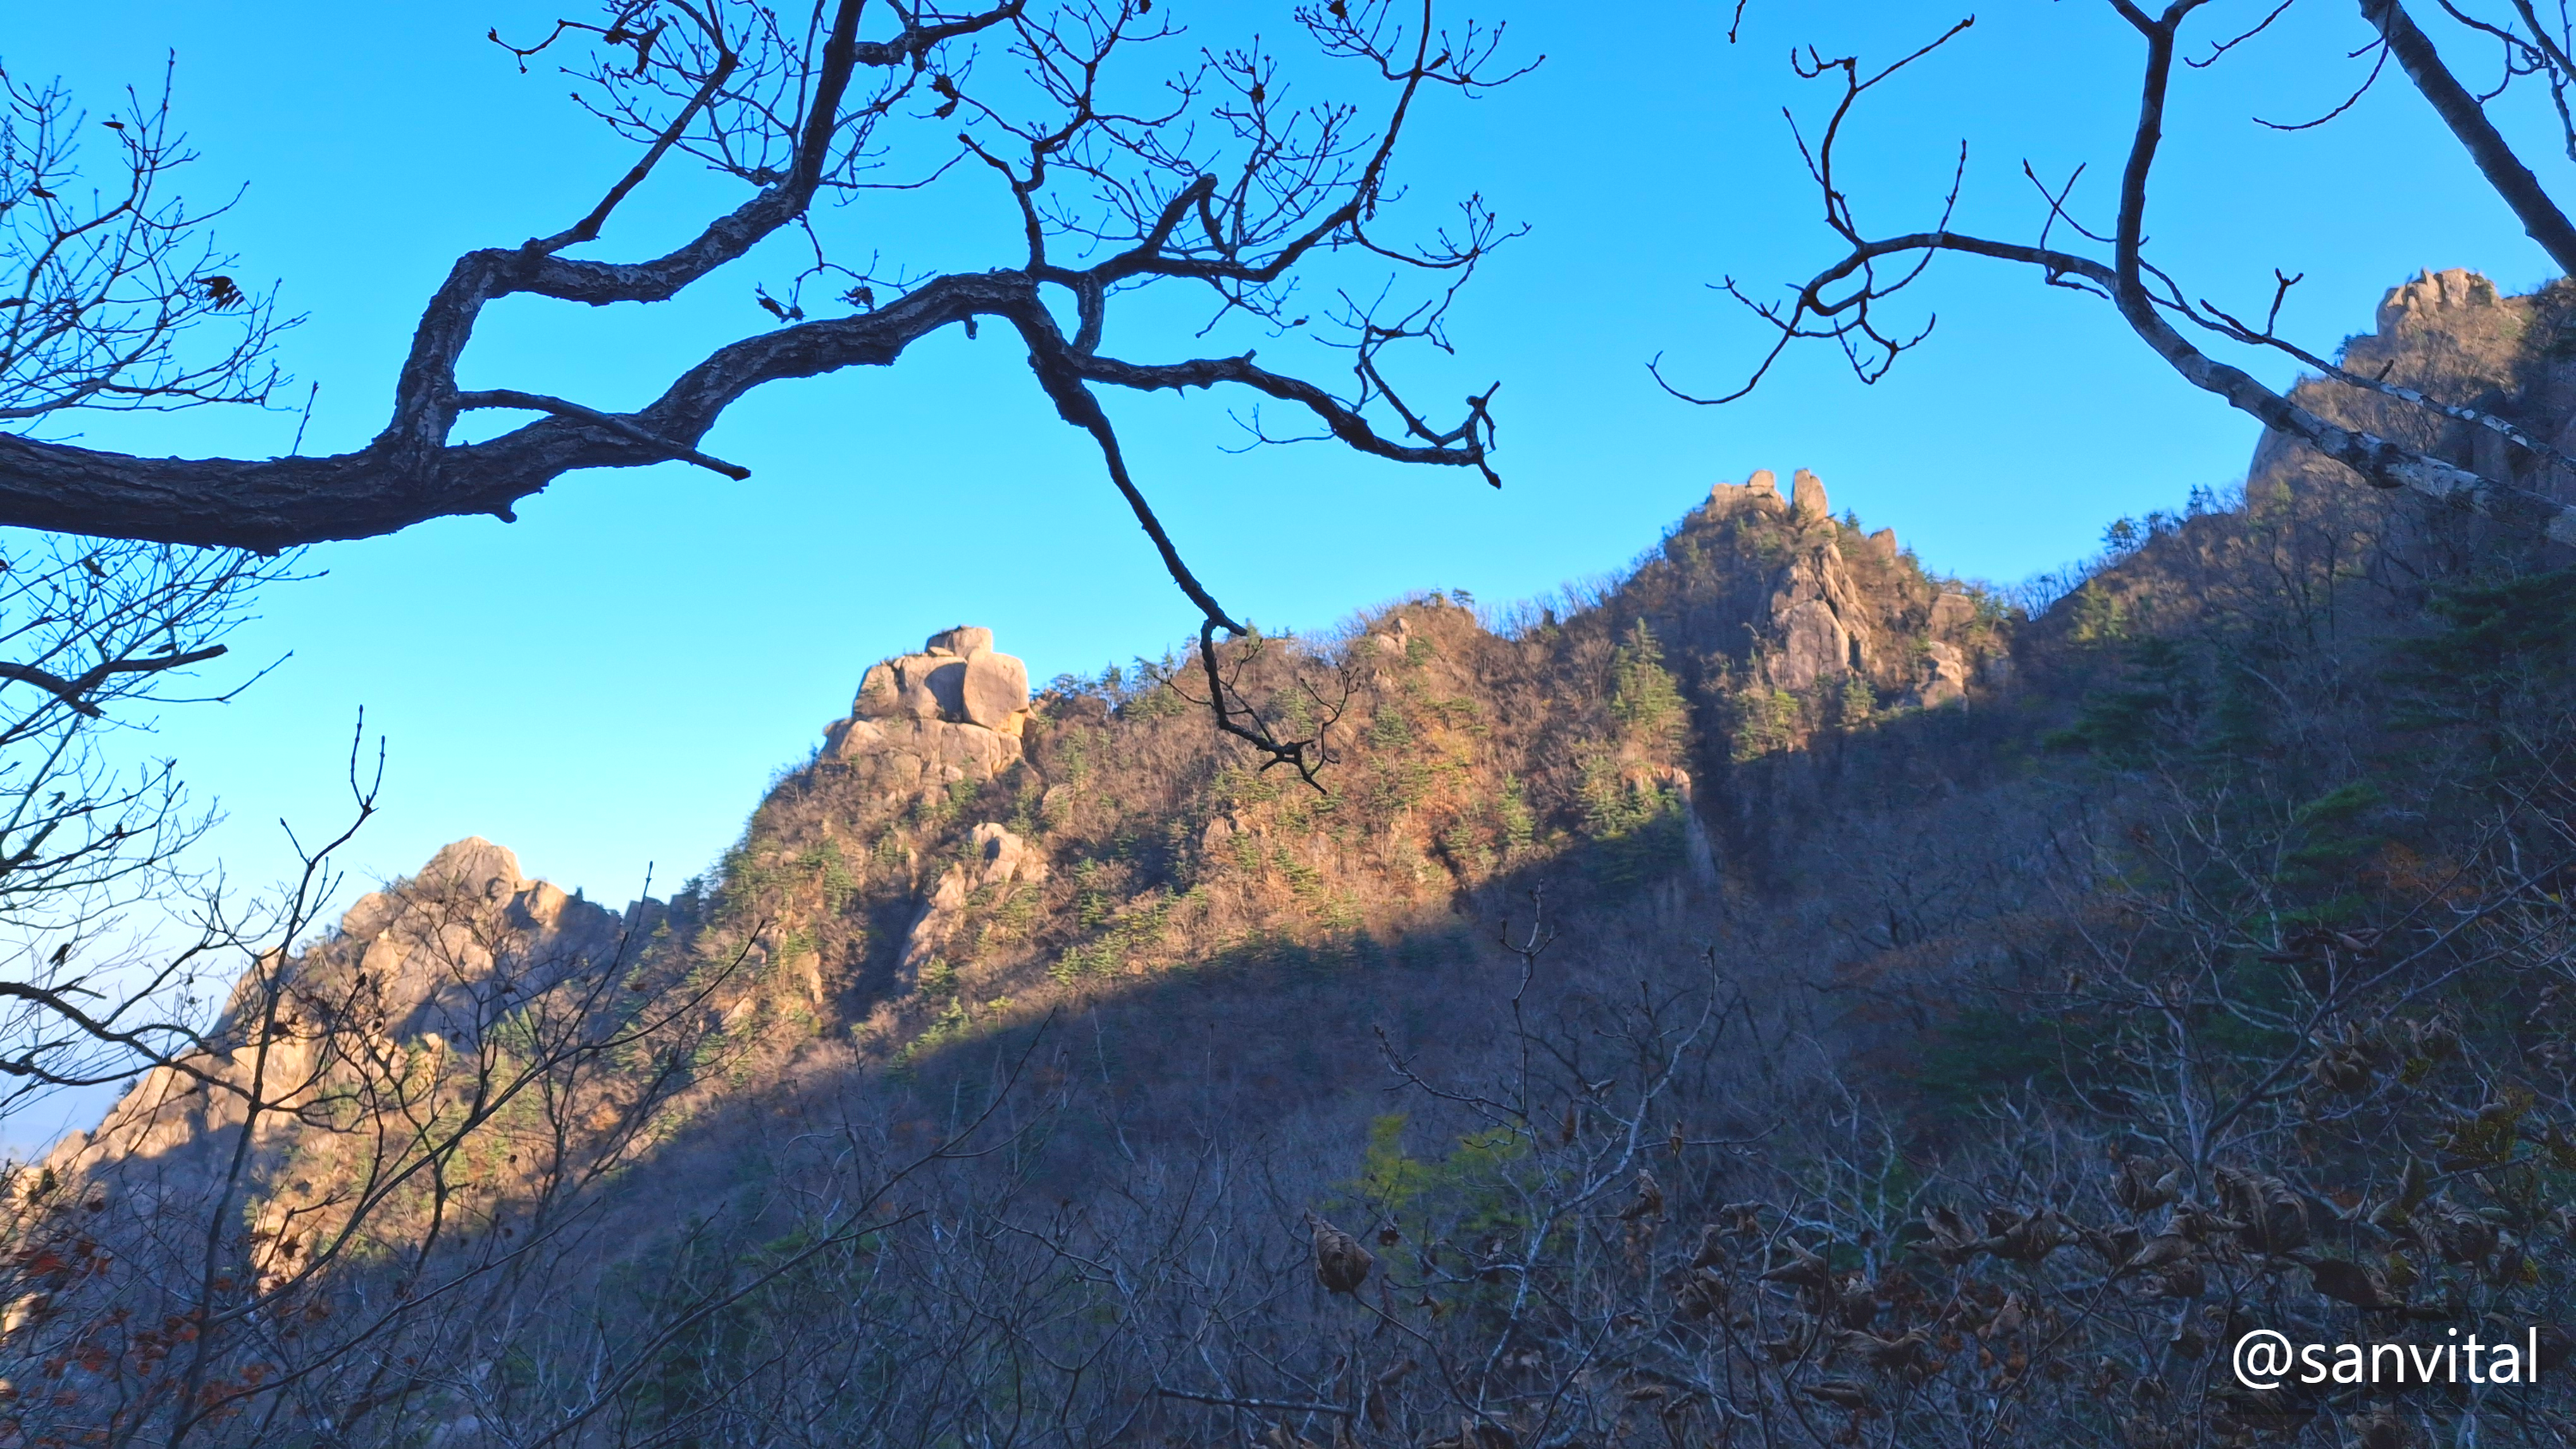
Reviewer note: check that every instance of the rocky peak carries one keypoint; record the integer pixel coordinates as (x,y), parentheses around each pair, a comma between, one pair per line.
(956,678)
(469,925)
(437,957)
(1785,603)
(954,711)
(1807,497)
(472,869)
(2449,333)
(1759,493)
(2421,302)
(2452,335)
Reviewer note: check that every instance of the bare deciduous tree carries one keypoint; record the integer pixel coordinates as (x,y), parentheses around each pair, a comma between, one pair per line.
(117,297)
(1134,156)
(86,838)
(1848,302)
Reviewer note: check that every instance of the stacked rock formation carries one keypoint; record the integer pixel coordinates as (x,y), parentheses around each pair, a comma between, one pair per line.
(1820,624)
(1821,630)
(955,709)
(1806,500)
(956,677)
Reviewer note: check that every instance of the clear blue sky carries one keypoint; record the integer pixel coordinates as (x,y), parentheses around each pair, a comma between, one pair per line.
(613,679)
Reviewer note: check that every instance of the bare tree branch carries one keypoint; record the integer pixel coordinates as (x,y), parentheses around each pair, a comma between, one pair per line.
(2541,217)
(1841,303)
(791,116)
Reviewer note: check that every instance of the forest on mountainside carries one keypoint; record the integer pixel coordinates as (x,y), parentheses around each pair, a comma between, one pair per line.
(1781,996)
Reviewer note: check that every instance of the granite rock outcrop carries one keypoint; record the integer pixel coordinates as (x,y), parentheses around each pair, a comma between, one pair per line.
(1814,604)
(995,857)
(952,712)
(957,678)
(429,964)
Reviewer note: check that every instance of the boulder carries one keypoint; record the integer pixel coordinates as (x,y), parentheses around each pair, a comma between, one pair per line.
(967,748)
(1952,611)
(965,641)
(846,739)
(880,693)
(945,680)
(937,682)
(929,686)
(927,705)
(993,688)
(912,696)
(1807,497)
(1395,641)
(1002,857)
(962,747)
(1760,492)
(1883,544)
(901,753)
(934,922)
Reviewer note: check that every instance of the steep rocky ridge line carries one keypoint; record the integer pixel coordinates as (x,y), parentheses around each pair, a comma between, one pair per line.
(1948,941)
(959,856)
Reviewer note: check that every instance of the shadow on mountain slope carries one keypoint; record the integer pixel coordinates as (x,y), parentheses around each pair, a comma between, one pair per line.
(1942,1022)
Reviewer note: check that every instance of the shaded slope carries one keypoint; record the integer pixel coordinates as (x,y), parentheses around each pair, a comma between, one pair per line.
(1921,967)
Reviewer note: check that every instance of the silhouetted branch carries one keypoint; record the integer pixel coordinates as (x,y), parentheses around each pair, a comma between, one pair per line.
(1841,303)
(790,116)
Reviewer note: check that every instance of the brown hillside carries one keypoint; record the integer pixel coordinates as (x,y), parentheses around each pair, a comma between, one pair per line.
(1782,996)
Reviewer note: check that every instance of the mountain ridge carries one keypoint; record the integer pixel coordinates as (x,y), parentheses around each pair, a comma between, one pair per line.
(1779,985)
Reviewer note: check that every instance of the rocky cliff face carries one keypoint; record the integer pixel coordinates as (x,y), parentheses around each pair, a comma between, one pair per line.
(2453,336)
(960,855)
(1820,603)
(2449,335)
(427,969)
